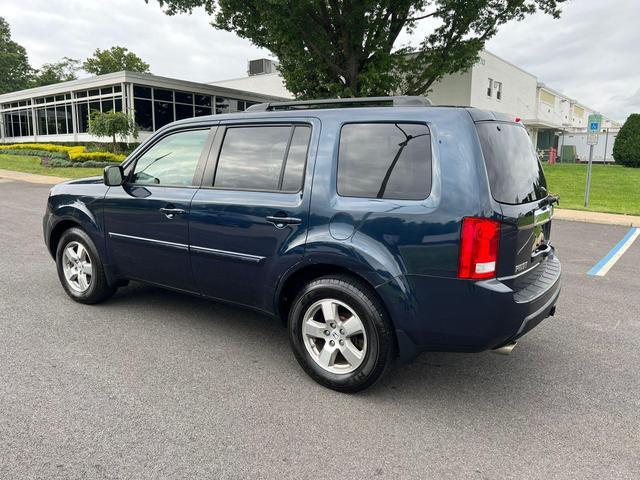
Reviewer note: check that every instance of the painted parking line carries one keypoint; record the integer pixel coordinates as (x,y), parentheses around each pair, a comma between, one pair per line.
(601,268)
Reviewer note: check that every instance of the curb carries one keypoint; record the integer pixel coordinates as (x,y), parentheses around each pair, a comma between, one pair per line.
(596,217)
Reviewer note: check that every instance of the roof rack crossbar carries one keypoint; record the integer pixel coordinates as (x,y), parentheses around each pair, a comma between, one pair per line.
(397,101)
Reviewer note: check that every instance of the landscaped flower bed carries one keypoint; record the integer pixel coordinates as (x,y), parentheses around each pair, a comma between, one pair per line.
(62,155)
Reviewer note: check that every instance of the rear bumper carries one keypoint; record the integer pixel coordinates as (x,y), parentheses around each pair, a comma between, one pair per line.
(456,315)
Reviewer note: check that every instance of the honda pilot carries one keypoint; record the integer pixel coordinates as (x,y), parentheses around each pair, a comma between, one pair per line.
(373,228)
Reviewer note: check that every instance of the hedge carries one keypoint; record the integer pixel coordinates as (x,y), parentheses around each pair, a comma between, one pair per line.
(33,153)
(76,154)
(59,162)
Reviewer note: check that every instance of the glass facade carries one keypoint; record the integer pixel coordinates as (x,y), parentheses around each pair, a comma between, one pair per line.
(68,113)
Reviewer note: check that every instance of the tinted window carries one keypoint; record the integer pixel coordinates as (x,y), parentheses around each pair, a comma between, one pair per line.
(515,174)
(254,158)
(143,114)
(163,113)
(171,161)
(251,157)
(296,159)
(385,160)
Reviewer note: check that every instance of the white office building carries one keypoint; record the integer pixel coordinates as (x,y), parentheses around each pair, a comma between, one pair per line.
(60,112)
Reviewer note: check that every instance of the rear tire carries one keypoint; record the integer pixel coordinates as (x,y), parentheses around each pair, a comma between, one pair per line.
(340,333)
(80,268)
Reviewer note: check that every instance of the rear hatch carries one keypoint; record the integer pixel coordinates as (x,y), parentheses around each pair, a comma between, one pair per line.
(519,187)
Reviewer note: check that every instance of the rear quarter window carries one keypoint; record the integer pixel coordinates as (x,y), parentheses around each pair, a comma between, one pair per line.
(385,160)
(515,173)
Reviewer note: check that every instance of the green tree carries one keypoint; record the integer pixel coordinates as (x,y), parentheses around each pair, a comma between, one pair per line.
(57,72)
(15,71)
(348,47)
(114,59)
(626,149)
(112,124)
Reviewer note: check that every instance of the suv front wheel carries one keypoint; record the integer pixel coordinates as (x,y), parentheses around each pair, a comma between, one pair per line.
(80,268)
(340,333)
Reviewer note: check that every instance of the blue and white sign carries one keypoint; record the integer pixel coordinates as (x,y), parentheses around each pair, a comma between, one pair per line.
(595,120)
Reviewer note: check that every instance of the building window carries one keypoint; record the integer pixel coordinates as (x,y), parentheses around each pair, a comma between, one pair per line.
(547,97)
(498,88)
(490,88)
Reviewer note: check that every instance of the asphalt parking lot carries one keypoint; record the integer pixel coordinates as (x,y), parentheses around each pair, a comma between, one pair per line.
(154,384)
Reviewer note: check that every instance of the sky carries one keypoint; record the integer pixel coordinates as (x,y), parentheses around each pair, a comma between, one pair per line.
(591,53)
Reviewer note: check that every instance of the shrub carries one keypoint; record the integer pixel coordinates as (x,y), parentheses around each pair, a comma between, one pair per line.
(32,153)
(59,162)
(626,149)
(96,157)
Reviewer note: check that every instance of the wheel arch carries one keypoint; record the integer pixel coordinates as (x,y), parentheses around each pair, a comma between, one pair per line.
(296,278)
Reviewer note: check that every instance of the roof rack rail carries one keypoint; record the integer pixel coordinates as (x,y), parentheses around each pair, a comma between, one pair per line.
(397,101)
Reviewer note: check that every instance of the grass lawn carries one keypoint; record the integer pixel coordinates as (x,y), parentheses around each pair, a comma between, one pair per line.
(614,189)
(20,163)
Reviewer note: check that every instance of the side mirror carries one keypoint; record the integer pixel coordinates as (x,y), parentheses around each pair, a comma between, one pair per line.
(113,176)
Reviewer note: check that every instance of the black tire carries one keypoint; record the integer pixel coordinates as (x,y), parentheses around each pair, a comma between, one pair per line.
(380,341)
(98,289)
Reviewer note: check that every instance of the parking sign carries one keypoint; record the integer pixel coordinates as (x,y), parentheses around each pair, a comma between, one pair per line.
(595,120)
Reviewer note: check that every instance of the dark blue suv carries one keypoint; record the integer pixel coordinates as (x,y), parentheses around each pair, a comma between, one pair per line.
(372,227)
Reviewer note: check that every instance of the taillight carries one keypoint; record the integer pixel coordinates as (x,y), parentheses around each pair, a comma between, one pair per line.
(479,241)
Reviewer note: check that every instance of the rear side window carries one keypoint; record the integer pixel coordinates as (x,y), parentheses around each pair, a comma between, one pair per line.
(263,158)
(515,174)
(385,160)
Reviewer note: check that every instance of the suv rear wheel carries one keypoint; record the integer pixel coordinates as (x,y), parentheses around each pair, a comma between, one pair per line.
(80,268)
(340,333)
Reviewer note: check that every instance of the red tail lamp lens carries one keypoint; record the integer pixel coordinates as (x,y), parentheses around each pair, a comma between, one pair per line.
(479,242)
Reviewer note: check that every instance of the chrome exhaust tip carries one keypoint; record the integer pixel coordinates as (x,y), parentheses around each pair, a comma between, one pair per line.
(505,349)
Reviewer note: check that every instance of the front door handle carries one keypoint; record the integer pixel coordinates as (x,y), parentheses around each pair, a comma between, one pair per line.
(280,222)
(172,212)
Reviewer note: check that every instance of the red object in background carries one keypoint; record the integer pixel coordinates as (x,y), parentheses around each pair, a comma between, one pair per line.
(553,155)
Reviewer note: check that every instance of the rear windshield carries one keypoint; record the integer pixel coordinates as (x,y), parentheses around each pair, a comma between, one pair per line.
(515,174)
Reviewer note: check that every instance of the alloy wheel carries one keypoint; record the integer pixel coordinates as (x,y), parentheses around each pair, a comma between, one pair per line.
(77,267)
(334,336)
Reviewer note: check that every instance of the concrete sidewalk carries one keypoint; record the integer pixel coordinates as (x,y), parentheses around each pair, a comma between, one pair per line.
(30,177)
(559,213)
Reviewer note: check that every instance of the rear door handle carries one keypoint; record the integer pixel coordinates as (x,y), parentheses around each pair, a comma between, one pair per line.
(280,222)
(172,212)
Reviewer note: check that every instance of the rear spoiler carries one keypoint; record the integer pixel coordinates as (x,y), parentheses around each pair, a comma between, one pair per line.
(486,116)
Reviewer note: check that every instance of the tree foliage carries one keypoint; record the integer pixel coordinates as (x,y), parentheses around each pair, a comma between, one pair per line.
(57,72)
(114,59)
(626,149)
(15,71)
(349,47)
(112,124)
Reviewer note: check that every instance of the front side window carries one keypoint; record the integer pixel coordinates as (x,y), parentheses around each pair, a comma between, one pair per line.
(172,161)
(385,160)
(263,158)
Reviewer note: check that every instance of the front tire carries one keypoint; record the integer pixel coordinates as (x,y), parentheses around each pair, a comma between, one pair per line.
(80,268)
(340,333)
